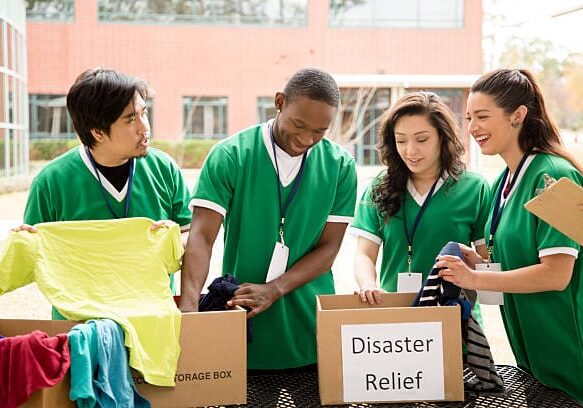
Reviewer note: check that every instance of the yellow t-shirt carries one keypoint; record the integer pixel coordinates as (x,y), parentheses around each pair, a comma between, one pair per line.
(115,269)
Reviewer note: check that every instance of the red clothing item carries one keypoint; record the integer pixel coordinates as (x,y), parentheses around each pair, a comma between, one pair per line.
(31,362)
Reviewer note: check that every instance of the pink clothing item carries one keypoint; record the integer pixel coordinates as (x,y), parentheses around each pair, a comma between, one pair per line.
(29,363)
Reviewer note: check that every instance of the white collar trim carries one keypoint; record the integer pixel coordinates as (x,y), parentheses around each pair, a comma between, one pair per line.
(420,199)
(118,195)
(285,181)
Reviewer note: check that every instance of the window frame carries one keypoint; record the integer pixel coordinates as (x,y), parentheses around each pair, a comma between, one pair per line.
(221,103)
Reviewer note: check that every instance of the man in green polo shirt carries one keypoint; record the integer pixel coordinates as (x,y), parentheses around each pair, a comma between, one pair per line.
(285,195)
(113,173)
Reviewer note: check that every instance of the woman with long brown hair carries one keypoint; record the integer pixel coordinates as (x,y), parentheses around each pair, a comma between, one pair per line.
(423,199)
(541,270)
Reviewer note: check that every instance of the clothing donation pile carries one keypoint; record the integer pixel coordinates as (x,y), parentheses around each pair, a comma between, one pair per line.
(114,276)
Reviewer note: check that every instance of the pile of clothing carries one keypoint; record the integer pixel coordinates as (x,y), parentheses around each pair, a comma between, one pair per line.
(114,275)
(93,353)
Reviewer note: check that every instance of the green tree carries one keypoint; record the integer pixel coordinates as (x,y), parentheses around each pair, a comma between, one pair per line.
(49,9)
(246,11)
(574,83)
(347,4)
(560,77)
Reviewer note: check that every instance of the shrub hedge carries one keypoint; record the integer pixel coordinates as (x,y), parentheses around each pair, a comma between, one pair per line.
(187,153)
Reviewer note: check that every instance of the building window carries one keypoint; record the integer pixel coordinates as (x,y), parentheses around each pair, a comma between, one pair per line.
(219,12)
(265,108)
(3,152)
(150,106)
(52,10)
(13,98)
(3,97)
(397,13)
(205,117)
(49,118)
(359,115)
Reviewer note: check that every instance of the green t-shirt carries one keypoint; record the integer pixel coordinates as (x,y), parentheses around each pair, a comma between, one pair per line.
(67,189)
(545,329)
(456,212)
(239,180)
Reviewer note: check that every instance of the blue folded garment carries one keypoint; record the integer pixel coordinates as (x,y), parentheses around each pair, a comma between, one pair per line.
(100,373)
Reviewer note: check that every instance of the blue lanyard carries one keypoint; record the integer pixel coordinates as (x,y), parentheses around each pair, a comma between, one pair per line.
(415,223)
(296,184)
(104,193)
(497,210)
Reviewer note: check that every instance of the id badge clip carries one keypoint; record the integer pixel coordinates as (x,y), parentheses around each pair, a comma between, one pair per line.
(279,257)
(409,282)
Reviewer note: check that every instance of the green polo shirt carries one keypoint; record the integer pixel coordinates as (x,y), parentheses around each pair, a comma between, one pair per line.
(545,329)
(239,181)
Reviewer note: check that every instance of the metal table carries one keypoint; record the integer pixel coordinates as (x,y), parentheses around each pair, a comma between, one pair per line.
(300,390)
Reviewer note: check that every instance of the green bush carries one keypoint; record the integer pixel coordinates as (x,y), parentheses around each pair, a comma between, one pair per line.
(166,146)
(192,153)
(187,153)
(48,149)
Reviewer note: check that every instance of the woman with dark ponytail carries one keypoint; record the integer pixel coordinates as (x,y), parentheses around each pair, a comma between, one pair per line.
(541,269)
(423,199)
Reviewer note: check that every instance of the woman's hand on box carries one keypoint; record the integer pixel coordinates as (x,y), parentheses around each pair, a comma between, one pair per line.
(370,295)
(254,297)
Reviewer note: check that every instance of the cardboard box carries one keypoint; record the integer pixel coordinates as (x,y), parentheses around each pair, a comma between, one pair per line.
(212,368)
(389,352)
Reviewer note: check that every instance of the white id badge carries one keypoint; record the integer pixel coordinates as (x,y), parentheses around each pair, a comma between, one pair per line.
(408,282)
(278,263)
(487,297)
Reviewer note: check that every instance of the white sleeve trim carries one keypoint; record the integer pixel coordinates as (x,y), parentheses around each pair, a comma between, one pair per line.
(558,250)
(185,228)
(481,241)
(357,232)
(197,202)
(339,218)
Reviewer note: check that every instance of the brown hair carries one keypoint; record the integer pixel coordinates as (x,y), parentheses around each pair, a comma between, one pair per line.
(511,88)
(388,193)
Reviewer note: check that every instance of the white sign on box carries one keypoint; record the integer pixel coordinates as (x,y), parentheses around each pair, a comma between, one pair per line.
(392,362)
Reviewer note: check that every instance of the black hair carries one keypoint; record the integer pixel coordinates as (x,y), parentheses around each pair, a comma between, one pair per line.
(314,84)
(98,98)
